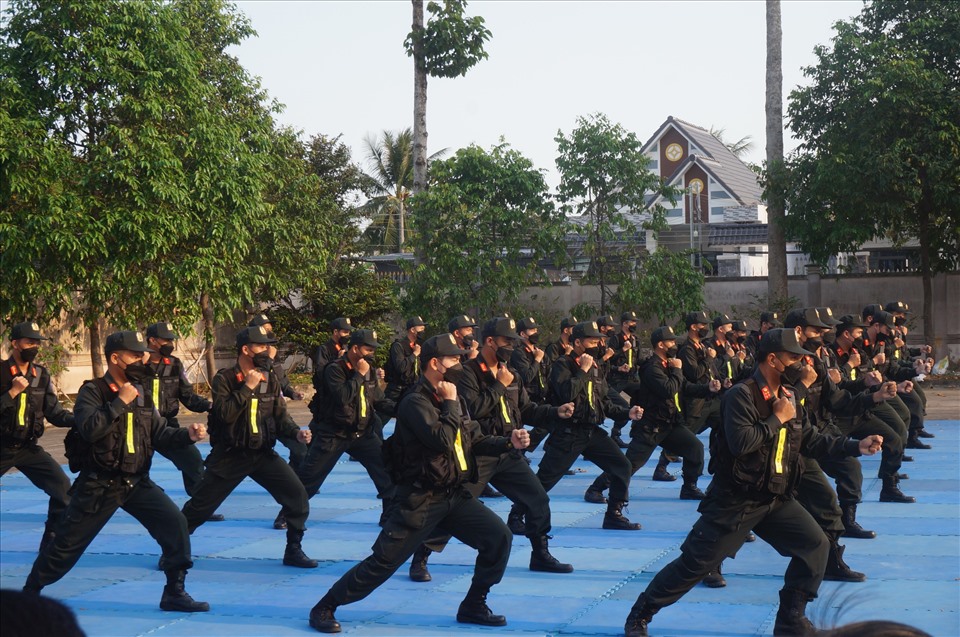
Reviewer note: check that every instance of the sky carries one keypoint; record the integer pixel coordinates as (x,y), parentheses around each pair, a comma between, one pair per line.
(340,69)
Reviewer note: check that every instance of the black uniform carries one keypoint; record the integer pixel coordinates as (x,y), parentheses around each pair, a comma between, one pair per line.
(662,422)
(700,413)
(347,425)
(553,351)
(244,426)
(168,389)
(431,459)
(757,464)
(21,425)
(898,370)
(111,445)
(534,377)
(402,369)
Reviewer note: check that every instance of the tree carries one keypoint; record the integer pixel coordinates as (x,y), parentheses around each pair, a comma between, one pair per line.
(484,226)
(879,131)
(773,179)
(666,285)
(603,174)
(449,45)
(739,147)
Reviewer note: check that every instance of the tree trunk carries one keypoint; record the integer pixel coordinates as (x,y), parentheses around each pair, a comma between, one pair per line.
(96,349)
(401,239)
(924,211)
(206,311)
(776,240)
(419,103)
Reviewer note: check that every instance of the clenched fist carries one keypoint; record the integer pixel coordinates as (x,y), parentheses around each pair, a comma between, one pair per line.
(197,431)
(19,384)
(871,445)
(520,439)
(784,410)
(305,436)
(128,393)
(565,410)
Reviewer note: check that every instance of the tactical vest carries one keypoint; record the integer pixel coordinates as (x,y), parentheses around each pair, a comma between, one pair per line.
(409,462)
(165,387)
(127,448)
(588,405)
(773,469)
(256,428)
(355,417)
(506,414)
(25,422)
(660,412)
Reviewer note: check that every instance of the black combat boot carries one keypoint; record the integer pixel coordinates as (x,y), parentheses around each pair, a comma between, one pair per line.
(837,569)
(751,537)
(660,474)
(714,579)
(418,565)
(474,610)
(175,598)
(280,522)
(791,621)
(594,496)
(906,458)
(851,527)
(321,616)
(640,615)
(615,520)
(690,490)
(515,521)
(294,555)
(923,433)
(542,560)
(914,442)
(892,493)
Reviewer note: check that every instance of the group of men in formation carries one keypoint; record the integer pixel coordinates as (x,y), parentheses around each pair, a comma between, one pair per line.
(790,406)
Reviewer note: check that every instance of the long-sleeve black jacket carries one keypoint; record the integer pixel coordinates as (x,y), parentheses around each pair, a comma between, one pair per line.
(664,390)
(22,418)
(499,409)
(170,388)
(586,390)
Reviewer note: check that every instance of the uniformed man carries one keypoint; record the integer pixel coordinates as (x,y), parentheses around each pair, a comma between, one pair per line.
(561,346)
(431,456)
(248,416)
(575,378)
(403,364)
(27,398)
(352,398)
(340,329)
(168,387)
(768,321)
(920,357)
(528,362)
(462,327)
(111,445)
(738,342)
(756,462)
(726,364)
(662,423)
(624,374)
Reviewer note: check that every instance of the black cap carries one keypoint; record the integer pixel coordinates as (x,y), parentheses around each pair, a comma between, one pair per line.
(628,316)
(770,317)
(722,319)
(364,337)
(662,333)
(804,317)
(27,329)
(505,327)
(527,324)
(131,341)
(258,320)
(826,315)
(257,334)
(740,326)
(693,318)
(849,321)
(342,324)
(439,346)
(161,330)
(884,318)
(897,307)
(606,321)
(458,322)
(871,310)
(782,340)
(569,321)
(588,329)
(414,321)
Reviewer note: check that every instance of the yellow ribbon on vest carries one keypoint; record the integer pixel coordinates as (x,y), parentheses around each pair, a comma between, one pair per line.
(676,401)
(22,411)
(458,448)
(503,407)
(363,402)
(781,443)
(590,392)
(130,446)
(253,416)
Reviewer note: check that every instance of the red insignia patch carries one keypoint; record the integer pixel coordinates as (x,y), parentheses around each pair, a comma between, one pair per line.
(766,393)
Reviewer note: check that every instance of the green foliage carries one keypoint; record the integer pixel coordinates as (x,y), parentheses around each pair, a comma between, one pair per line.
(451,42)
(665,286)
(483,226)
(759,303)
(880,135)
(604,174)
(584,311)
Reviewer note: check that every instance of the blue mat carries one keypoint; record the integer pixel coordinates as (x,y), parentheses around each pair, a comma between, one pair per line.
(913,567)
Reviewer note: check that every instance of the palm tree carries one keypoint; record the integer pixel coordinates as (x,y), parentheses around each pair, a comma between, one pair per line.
(390,174)
(739,147)
(777,255)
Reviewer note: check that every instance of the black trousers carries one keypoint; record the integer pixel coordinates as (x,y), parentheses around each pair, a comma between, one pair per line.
(514,478)
(325,451)
(566,444)
(676,440)
(894,439)
(916,408)
(417,514)
(613,391)
(298,451)
(725,520)
(43,471)
(707,416)
(819,499)
(93,502)
(188,462)
(226,469)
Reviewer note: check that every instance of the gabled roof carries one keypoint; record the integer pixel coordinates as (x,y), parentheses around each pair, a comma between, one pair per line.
(725,167)
(737,234)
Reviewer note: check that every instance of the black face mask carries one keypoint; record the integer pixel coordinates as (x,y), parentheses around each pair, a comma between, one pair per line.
(672,352)
(741,340)
(137,372)
(858,342)
(631,328)
(702,332)
(899,321)
(504,354)
(830,338)
(450,372)
(533,339)
(595,352)
(419,337)
(28,355)
(263,361)
(791,373)
(369,359)
(165,350)
(813,344)
(468,340)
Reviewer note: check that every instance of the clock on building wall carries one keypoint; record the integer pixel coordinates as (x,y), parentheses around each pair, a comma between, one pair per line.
(674,152)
